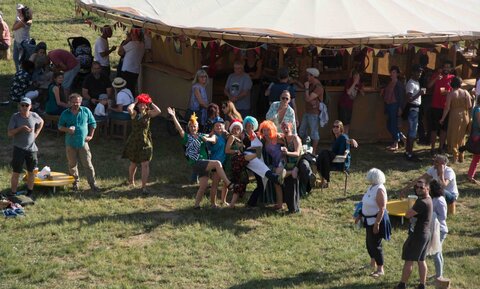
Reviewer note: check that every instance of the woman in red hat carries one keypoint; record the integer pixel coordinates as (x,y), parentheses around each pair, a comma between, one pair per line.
(139,146)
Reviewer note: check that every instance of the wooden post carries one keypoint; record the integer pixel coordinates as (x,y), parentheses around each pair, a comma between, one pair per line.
(280,57)
(375,72)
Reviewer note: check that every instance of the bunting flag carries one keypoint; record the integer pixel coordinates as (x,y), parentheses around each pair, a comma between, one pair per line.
(416,49)
(236,50)
(257,50)
(300,50)
(319,49)
(376,51)
(342,52)
(438,48)
(264,46)
(199,43)
(192,41)
(163,37)
(349,50)
(205,43)
(285,49)
(222,42)
(392,51)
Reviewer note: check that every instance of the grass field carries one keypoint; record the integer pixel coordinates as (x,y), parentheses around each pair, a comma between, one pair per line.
(120,238)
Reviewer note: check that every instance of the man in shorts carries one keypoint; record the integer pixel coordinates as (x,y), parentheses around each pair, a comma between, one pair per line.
(415,247)
(313,96)
(440,82)
(24,127)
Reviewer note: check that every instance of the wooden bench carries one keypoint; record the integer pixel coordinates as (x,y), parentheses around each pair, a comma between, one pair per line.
(119,128)
(51,123)
(102,129)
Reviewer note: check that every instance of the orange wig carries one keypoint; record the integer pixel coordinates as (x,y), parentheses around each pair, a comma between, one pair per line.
(268,124)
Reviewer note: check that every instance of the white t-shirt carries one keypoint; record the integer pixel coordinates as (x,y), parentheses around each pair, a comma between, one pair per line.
(101,45)
(124,97)
(132,60)
(413,87)
(449,174)
(100,110)
(369,202)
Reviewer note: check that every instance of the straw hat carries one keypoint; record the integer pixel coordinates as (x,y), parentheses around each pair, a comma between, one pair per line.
(119,82)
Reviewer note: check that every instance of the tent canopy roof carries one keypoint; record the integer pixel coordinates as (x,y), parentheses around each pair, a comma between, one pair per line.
(317,22)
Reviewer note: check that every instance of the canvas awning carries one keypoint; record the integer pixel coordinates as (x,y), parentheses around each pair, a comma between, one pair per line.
(297,22)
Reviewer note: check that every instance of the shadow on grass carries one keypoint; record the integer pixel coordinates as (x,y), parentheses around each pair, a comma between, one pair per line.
(462,253)
(223,219)
(310,279)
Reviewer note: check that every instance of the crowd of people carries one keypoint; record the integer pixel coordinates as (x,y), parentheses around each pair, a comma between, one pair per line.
(227,144)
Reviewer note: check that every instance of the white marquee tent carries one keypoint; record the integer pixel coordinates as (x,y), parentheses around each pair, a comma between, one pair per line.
(317,22)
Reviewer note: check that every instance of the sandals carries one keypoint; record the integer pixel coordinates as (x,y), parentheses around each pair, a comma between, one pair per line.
(474,181)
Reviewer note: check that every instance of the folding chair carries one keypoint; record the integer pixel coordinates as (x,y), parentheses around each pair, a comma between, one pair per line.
(340,159)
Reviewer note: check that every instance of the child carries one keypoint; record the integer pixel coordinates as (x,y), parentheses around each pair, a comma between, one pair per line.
(100,111)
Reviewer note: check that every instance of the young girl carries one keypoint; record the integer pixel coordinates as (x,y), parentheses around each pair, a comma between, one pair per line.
(217,152)
(139,146)
(56,97)
(196,154)
(230,112)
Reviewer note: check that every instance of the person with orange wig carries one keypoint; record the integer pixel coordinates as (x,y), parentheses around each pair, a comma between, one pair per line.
(139,146)
(268,134)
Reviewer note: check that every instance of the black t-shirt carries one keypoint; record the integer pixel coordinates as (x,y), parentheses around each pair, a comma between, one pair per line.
(421,221)
(96,86)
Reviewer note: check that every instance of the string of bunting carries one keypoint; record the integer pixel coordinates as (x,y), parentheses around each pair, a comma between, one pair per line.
(205,43)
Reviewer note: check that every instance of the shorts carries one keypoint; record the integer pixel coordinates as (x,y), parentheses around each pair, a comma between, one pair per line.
(309,120)
(345,115)
(200,168)
(415,248)
(20,156)
(434,118)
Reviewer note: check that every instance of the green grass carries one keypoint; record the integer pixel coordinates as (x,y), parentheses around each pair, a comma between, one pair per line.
(122,239)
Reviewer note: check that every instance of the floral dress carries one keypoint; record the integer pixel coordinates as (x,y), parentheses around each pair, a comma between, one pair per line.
(139,146)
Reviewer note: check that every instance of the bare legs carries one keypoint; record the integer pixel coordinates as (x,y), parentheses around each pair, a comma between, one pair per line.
(203,183)
(408,268)
(132,169)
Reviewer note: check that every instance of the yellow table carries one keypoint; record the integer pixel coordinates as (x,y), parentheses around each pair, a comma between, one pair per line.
(56,179)
(398,208)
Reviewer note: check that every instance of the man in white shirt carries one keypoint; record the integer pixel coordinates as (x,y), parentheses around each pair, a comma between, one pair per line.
(414,100)
(444,175)
(102,51)
(132,50)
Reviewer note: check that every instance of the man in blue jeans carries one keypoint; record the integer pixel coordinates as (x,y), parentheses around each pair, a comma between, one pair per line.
(414,99)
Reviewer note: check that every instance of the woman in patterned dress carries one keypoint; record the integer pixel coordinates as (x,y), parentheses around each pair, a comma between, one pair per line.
(139,147)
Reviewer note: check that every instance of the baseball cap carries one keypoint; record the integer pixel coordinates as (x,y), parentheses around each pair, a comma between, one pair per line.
(313,71)
(26,100)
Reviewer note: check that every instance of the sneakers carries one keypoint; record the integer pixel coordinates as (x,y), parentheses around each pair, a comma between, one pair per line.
(21,200)
(94,188)
(75,186)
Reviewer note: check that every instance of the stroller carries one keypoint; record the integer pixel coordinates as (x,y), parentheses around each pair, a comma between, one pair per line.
(82,49)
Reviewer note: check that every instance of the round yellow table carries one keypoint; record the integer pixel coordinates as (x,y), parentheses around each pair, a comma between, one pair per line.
(398,208)
(56,179)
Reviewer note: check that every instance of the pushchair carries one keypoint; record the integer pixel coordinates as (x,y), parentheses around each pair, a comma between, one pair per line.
(82,49)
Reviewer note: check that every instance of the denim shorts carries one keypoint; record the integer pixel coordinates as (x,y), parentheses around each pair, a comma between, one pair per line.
(311,121)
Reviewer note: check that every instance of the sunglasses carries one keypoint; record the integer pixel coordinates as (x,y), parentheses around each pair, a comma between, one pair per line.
(24,105)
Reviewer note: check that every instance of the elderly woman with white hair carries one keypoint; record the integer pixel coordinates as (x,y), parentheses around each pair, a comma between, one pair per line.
(376,220)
